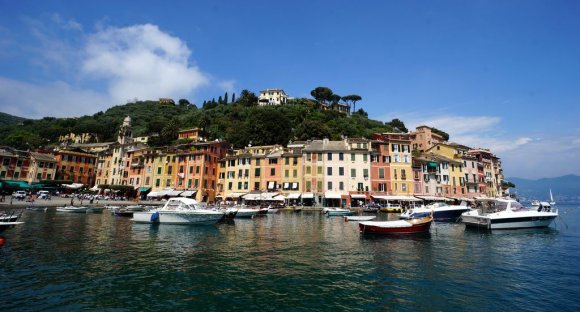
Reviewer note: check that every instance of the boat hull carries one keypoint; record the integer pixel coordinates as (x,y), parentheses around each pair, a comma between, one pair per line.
(359,218)
(508,223)
(338,213)
(449,214)
(178,217)
(394,227)
(72,209)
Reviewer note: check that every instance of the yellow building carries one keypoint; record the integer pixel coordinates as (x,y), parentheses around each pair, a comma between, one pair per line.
(455,185)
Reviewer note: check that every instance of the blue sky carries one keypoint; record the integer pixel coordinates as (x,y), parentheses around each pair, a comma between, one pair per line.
(504,75)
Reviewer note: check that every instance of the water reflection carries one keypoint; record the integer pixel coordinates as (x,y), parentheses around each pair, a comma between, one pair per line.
(286,261)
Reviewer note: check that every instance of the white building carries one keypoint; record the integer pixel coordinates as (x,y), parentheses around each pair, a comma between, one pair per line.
(272,97)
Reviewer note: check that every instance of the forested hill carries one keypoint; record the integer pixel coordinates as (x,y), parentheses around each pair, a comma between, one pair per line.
(7,119)
(237,123)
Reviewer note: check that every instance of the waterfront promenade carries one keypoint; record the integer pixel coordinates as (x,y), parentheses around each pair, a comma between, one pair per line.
(64,201)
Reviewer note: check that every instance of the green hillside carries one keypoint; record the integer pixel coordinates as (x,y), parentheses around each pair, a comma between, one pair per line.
(239,123)
(7,119)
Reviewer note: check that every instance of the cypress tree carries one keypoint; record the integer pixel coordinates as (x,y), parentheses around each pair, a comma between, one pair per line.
(233,97)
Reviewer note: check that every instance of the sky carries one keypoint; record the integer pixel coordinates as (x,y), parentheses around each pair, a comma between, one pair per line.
(503,75)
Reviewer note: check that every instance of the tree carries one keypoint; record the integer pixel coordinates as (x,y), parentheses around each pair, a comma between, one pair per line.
(183,102)
(352,99)
(312,129)
(233,97)
(444,134)
(226,98)
(398,124)
(335,98)
(322,94)
(220,101)
(247,99)
(169,132)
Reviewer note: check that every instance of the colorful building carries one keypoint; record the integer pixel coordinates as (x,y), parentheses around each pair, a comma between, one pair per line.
(42,167)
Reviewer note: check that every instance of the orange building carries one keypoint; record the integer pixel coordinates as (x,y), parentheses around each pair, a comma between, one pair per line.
(75,165)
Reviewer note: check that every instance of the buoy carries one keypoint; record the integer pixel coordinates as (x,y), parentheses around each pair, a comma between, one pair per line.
(2,241)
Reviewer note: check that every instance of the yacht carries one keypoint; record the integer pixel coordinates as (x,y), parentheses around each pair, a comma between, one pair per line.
(179,210)
(441,211)
(505,214)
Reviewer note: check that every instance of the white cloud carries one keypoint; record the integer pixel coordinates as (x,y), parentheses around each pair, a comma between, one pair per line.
(143,62)
(54,99)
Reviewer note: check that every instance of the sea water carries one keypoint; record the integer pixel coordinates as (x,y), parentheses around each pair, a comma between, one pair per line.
(284,262)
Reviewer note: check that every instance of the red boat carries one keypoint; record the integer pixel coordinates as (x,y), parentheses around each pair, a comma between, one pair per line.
(411,226)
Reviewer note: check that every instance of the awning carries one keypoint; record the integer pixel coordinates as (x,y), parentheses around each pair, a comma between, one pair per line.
(174,193)
(73,186)
(434,198)
(396,197)
(293,196)
(20,184)
(260,196)
(331,195)
(234,195)
(432,164)
(144,189)
(187,193)
(361,196)
(307,195)
(271,185)
(462,199)
(154,194)
(279,198)
(94,188)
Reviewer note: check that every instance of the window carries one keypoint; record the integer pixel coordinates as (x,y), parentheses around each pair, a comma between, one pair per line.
(308,157)
(319,156)
(360,187)
(406,159)
(365,173)
(352,157)
(386,159)
(341,186)
(6,162)
(329,171)
(395,174)
(341,156)
(404,187)
(381,173)
(308,186)
(169,169)
(382,187)
(272,171)
(319,169)
(365,157)
(395,148)
(168,182)
(286,172)
(257,161)
(287,161)
(403,174)
(295,173)
(329,185)
(308,170)
(257,172)
(329,156)
(353,173)
(230,186)
(319,185)
(341,171)
(240,185)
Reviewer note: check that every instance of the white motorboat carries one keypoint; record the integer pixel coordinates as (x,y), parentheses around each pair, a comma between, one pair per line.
(333,212)
(242,212)
(506,214)
(359,218)
(6,225)
(94,209)
(179,210)
(441,211)
(72,209)
(535,203)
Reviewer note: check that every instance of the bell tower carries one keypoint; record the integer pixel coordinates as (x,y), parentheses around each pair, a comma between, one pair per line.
(125,132)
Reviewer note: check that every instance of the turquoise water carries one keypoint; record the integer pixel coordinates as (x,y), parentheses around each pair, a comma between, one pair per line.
(283,262)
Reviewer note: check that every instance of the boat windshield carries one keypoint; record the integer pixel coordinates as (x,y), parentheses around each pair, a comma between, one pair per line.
(178,205)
